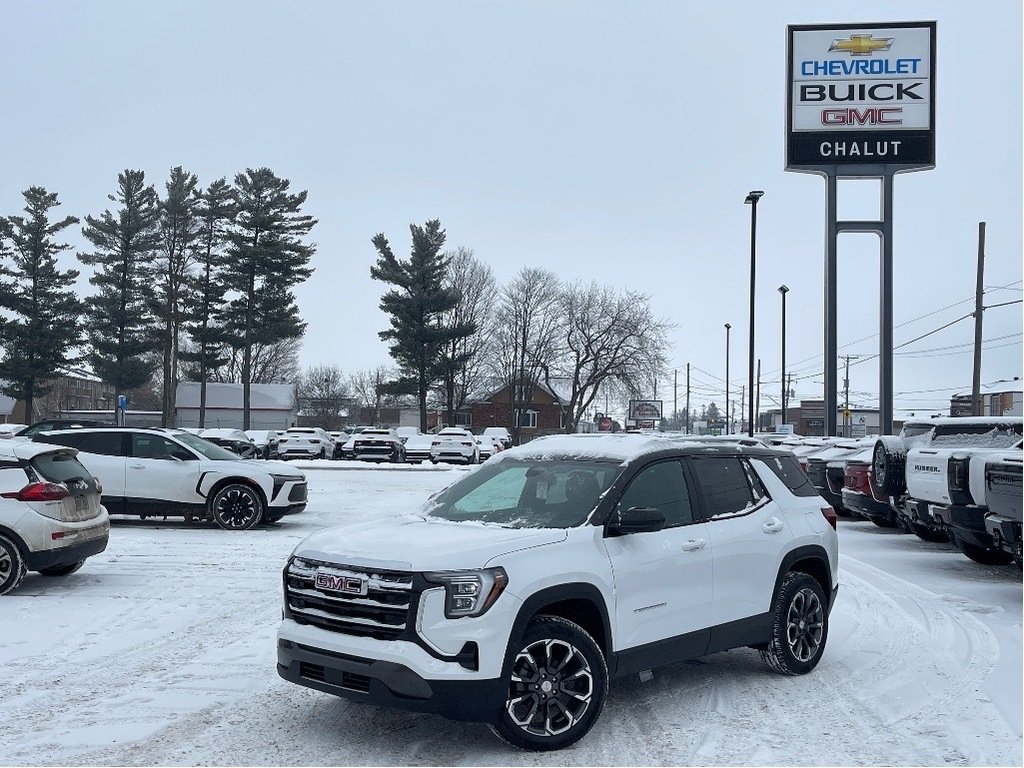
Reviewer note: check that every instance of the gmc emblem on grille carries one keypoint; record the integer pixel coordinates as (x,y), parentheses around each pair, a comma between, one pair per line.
(349,584)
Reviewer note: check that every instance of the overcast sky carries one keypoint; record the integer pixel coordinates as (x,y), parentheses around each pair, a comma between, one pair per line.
(604,141)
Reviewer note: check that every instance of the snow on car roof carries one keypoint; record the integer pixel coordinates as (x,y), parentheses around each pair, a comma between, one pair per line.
(621,446)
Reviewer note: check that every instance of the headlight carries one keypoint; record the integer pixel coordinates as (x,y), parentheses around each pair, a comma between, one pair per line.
(469,593)
(286,478)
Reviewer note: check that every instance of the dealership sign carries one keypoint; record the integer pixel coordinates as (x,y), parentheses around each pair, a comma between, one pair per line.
(861,94)
(644,409)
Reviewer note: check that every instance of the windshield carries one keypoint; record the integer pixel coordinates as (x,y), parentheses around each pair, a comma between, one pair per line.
(976,436)
(527,494)
(206,448)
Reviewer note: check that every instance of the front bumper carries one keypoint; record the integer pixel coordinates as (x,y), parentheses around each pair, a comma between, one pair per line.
(388,683)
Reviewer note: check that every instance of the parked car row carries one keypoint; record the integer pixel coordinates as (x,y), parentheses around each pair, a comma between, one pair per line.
(943,479)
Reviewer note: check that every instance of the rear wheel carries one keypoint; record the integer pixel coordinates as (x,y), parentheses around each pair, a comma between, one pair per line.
(556,688)
(62,570)
(984,555)
(237,507)
(799,625)
(12,566)
(887,471)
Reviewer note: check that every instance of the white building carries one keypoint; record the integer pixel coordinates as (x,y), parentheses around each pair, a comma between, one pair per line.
(271,406)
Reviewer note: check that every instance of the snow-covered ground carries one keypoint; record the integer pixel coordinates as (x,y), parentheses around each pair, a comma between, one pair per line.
(161,652)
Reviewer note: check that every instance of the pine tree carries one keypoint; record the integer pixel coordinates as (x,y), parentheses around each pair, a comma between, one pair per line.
(179,229)
(417,332)
(205,299)
(121,326)
(43,330)
(266,259)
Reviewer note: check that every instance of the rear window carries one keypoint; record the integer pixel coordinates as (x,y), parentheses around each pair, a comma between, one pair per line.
(787,469)
(59,467)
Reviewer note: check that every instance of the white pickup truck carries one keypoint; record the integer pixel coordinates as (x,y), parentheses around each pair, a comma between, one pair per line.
(889,465)
(1003,492)
(946,484)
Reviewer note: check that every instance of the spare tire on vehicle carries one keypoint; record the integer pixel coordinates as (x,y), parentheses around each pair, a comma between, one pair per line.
(888,467)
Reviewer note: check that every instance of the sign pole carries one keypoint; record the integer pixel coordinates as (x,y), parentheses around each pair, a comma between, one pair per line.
(831,314)
(885,405)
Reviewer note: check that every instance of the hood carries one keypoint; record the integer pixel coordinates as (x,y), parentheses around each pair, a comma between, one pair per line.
(418,544)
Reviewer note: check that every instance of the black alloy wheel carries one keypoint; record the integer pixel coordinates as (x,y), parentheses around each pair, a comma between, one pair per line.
(799,625)
(237,507)
(557,687)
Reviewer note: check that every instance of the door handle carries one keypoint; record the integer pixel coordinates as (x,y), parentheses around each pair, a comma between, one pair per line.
(772,525)
(693,545)
(136,466)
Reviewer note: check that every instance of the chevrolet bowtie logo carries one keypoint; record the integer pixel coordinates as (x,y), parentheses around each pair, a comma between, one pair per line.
(862,45)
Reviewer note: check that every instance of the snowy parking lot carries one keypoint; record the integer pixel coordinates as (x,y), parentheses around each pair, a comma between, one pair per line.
(161,651)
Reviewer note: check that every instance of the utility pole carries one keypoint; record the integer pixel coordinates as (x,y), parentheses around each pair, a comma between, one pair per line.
(675,398)
(743,402)
(978,312)
(687,398)
(757,408)
(846,406)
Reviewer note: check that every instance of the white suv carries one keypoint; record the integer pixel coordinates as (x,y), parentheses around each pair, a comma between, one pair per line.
(172,473)
(51,518)
(514,595)
(454,444)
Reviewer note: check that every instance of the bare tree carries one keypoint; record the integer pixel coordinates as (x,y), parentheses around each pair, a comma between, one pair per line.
(526,328)
(604,336)
(370,389)
(322,392)
(462,359)
(276,363)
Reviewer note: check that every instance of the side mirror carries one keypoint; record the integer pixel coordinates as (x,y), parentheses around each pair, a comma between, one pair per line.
(636,520)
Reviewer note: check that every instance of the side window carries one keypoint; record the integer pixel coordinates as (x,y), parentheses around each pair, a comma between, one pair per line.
(663,487)
(724,485)
(69,439)
(757,488)
(145,446)
(788,471)
(103,443)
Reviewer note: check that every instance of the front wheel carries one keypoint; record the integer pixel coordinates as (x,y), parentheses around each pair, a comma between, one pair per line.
(557,687)
(799,625)
(62,570)
(237,507)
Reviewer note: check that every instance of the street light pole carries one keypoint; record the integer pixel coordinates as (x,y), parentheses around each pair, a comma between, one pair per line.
(727,328)
(752,197)
(783,289)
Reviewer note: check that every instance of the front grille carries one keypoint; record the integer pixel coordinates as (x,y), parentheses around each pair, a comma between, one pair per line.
(381,613)
(298,492)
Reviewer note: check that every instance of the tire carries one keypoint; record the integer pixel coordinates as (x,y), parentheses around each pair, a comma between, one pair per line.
(928,533)
(881,522)
(12,566)
(983,555)
(237,507)
(576,678)
(799,625)
(62,570)
(888,470)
